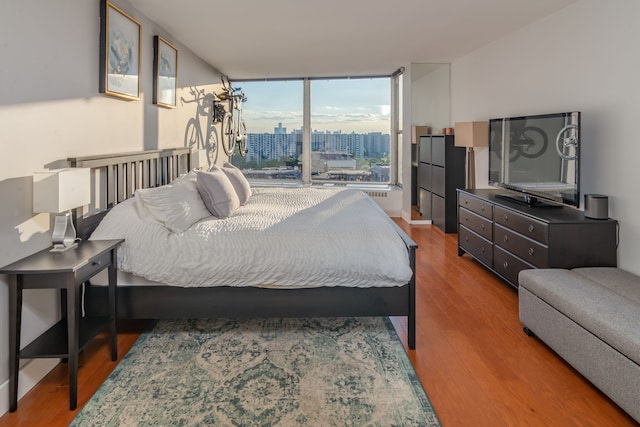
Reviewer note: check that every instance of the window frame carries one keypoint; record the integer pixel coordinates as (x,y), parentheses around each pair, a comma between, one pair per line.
(395,131)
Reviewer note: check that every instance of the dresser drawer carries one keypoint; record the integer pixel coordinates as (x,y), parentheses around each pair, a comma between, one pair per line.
(508,265)
(476,223)
(425,149)
(425,203)
(476,205)
(438,150)
(93,266)
(437,180)
(529,250)
(438,213)
(472,243)
(424,176)
(523,224)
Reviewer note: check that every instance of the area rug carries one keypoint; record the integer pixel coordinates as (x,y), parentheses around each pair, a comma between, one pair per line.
(263,372)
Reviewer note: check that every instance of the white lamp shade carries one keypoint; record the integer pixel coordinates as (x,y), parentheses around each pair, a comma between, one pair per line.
(472,134)
(61,190)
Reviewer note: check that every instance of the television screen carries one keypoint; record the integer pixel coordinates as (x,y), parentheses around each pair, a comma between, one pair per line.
(537,156)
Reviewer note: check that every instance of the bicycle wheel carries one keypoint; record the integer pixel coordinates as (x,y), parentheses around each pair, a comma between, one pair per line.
(512,149)
(567,142)
(228,134)
(242,138)
(192,136)
(534,142)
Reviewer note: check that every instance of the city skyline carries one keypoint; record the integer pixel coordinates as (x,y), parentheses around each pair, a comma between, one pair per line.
(285,130)
(280,143)
(349,105)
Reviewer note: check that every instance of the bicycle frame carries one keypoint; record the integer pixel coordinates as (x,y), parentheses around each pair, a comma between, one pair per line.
(234,131)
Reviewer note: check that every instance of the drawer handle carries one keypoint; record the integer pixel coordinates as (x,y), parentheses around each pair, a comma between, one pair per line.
(506,239)
(466,218)
(96,263)
(482,226)
(530,228)
(506,264)
(466,238)
(506,217)
(482,208)
(531,251)
(482,249)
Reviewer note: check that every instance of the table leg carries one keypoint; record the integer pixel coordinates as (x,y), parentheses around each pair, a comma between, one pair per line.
(15,322)
(63,313)
(113,305)
(73,332)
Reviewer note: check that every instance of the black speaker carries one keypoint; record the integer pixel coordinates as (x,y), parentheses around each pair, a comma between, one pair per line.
(596,206)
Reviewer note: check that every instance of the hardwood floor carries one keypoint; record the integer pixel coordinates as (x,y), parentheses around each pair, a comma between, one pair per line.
(474,361)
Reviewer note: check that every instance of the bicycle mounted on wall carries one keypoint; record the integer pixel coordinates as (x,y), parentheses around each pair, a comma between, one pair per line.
(234,130)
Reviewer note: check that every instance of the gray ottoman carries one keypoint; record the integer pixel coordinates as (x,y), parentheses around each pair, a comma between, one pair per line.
(591,318)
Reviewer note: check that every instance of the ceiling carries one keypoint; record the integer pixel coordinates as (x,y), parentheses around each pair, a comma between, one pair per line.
(249,39)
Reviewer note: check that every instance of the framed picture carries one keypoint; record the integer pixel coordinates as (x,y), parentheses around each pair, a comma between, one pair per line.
(120,37)
(165,72)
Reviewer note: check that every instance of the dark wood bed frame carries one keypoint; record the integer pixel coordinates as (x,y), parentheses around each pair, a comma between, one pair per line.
(115,178)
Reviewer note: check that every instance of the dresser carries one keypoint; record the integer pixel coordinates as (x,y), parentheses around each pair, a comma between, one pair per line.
(508,237)
(441,171)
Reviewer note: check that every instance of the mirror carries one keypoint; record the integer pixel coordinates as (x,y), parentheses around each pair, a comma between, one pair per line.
(430,106)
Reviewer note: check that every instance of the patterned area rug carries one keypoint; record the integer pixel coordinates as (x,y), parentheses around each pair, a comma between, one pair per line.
(263,372)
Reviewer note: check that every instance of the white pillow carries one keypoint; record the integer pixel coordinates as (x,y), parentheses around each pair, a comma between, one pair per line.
(176,206)
(239,182)
(191,175)
(217,192)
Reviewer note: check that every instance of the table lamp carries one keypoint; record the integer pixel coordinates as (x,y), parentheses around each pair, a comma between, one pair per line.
(470,135)
(58,191)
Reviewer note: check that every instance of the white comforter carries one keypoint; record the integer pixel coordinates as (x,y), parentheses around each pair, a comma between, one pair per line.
(283,237)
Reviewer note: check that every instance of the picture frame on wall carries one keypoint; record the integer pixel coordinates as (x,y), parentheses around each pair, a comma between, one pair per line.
(165,72)
(120,36)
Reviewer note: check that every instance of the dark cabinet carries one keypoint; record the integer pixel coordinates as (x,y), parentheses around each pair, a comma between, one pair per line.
(440,173)
(508,237)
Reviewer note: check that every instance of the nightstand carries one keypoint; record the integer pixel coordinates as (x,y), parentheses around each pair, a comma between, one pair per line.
(65,271)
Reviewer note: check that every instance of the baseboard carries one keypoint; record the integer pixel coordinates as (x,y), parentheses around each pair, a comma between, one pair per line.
(30,375)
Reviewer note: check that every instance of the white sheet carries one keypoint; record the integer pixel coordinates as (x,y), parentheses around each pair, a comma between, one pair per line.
(282,237)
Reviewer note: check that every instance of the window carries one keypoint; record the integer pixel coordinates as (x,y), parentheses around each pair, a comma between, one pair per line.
(273,115)
(349,131)
(396,122)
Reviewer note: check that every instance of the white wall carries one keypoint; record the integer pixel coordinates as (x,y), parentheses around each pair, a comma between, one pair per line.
(430,96)
(50,109)
(584,58)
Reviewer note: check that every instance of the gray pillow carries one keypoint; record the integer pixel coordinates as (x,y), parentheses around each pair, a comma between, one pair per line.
(217,192)
(239,182)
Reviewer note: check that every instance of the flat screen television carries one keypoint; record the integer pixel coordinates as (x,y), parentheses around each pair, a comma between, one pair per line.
(537,157)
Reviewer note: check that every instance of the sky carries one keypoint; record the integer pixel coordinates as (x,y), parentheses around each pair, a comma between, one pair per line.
(354,105)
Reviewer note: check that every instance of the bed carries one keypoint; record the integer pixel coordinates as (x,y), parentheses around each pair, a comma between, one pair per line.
(249,283)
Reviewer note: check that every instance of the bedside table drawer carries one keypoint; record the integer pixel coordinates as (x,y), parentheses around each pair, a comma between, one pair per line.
(93,266)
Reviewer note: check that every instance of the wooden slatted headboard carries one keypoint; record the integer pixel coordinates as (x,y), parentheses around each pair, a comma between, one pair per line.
(115,177)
